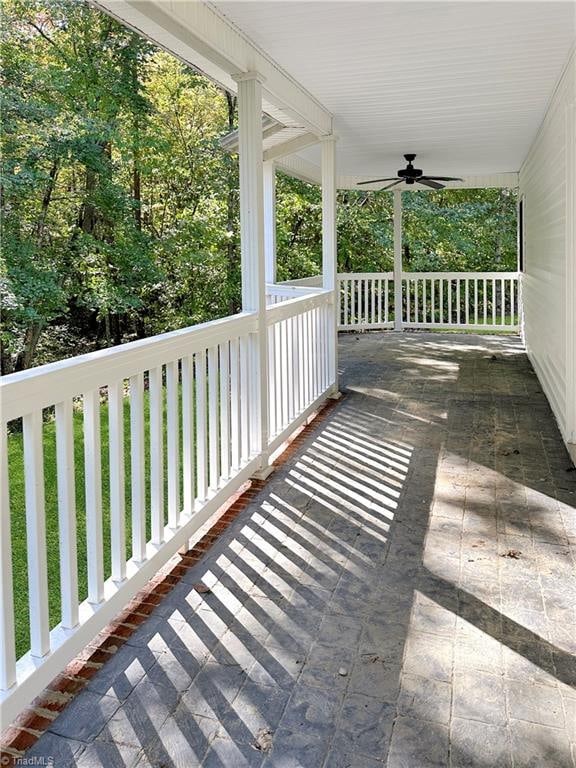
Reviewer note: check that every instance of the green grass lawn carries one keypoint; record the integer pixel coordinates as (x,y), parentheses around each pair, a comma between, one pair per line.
(18,513)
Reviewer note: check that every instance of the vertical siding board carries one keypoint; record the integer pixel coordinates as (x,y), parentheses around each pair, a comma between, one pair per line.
(547,180)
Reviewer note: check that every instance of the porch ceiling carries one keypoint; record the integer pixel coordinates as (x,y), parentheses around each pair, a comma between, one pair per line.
(463,84)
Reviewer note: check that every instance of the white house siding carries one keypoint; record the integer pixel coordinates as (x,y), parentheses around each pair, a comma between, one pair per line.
(547,182)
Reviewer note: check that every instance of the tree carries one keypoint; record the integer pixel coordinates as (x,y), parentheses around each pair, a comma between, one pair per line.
(120,210)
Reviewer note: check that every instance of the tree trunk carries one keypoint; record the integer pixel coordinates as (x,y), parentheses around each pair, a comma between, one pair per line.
(31,339)
(136,192)
(25,357)
(46,199)
(136,180)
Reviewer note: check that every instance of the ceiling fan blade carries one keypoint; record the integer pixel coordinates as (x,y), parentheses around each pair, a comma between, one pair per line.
(391,185)
(428,183)
(377,181)
(442,178)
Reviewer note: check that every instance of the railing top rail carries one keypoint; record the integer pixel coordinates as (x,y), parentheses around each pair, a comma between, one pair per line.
(365,275)
(275,289)
(24,392)
(314,281)
(460,275)
(277,312)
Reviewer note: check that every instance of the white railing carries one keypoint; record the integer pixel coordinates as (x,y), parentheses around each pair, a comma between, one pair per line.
(366,300)
(181,406)
(299,359)
(280,292)
(315,281)
(473,301)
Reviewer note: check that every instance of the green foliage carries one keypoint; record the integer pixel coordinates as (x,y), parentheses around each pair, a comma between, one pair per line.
(460,230)
(120,210)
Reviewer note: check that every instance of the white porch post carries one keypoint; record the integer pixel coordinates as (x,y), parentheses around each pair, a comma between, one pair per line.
(397,260)
(330,251)
(270,220)
(252,252)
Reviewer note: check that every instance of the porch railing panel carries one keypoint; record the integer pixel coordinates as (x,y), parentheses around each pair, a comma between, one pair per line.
(474,301)
(461,300)
(366,300)
(150,439)
(298,344)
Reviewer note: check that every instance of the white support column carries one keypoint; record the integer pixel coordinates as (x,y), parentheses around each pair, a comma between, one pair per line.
(252,252)
(330,250)
(397,260)
(270,220)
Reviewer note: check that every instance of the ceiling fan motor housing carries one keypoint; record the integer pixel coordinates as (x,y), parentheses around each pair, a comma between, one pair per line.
(410,172)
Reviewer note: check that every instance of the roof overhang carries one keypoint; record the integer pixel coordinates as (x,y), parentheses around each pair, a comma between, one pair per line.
(463,84)
(200,36)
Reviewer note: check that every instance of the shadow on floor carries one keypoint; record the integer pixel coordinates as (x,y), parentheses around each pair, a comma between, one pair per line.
(363,611)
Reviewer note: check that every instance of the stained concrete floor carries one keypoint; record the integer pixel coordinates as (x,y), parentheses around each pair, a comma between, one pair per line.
(422,542)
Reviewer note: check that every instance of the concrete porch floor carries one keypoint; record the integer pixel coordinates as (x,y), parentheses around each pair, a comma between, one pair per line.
(422,542)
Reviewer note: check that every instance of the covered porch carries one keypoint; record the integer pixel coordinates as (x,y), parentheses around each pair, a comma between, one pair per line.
(399,589)
(398,593)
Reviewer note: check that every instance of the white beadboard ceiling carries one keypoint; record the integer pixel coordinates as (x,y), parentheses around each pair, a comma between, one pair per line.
(464,84)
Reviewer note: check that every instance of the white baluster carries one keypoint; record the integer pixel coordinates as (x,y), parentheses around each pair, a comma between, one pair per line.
(458,301)
(213,425)
(201,431)
(117,503)
(442,300)
(224,360)
(156,455)
(408,302)
(93,485)
(235,403)
(493,302)
(476,301)
(386,291)
(7,643)
(512,301)
(173,443)
(271,382)
(137,467)
(245,406)
(67,513)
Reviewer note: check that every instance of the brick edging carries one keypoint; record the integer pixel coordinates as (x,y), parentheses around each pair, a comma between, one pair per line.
(37,718)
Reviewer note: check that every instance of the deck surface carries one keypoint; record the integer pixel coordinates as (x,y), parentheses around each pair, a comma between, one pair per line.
(401,594)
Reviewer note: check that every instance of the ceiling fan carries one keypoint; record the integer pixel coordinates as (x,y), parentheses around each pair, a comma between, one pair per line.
(412,175)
